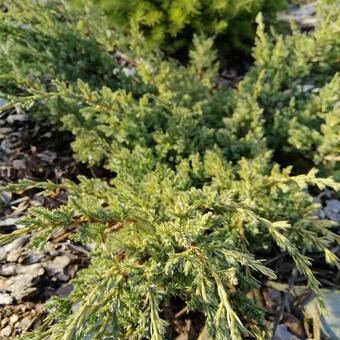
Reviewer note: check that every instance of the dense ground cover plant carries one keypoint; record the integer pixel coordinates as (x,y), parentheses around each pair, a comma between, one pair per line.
(300,92)
(42,46)
(173,24)
(195,194)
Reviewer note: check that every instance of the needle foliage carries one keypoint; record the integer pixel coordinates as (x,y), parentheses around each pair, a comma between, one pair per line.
(200,187)
(172,24)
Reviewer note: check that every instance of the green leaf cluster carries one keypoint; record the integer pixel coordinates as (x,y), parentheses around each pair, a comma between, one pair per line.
(200,187)
(172,24)
(299,95)
(41,45)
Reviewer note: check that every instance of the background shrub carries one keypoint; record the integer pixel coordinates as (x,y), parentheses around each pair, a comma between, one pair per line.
(168,109)
(172,24)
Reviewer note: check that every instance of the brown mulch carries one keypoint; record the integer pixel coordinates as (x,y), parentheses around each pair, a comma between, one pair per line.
(29,278)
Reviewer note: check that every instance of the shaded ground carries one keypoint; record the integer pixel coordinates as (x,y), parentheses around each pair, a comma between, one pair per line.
(29,278)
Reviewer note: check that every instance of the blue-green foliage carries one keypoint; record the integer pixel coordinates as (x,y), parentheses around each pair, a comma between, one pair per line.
(195,191)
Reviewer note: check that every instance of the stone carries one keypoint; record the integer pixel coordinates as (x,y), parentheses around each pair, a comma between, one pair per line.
(282,333)
(19,164)
(4,322)
(6,299)
(294,325)
(26,292)
(6,332)
(16,118)
(33,258)
(303,16)
(272,298)
(5,197)
(72,270)
(8,269)
(13,319)
(51,250)
(330,325)
(332,210)
(25,323)
(51,271)
(36,268)
(61,261)
(13,255)
(64,290)
(17,243)
(47,156)
(3,284)
(23,286)
(62,277)
(57,265)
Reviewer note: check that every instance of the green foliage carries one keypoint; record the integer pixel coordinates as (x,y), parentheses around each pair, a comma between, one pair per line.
(41,45)
(195,193)
(172,24)
(154,240)
(299,95)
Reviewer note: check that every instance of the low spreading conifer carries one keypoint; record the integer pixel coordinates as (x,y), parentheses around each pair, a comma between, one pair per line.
(200,185)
